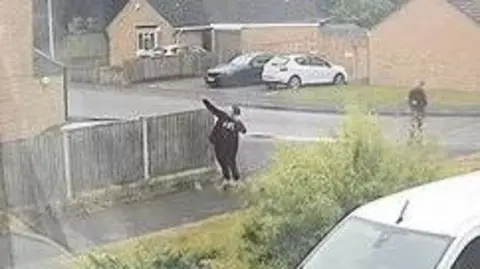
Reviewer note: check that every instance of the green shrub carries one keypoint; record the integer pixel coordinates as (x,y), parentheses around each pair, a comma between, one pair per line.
(308,189)
(166,260)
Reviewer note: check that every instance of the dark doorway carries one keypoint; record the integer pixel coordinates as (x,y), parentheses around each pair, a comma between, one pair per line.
(207,40)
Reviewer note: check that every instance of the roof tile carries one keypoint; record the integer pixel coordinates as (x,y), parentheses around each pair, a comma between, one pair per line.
(471,8)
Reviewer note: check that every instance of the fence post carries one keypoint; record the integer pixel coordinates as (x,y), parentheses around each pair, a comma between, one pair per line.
(65,92)
(66,160)
(146,155)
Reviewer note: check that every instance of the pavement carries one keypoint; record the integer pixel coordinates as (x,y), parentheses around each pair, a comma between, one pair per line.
(257,96)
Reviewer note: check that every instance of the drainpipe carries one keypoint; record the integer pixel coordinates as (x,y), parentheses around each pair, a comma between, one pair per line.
(214,40)
(65,93)
(50,29)
(369,56)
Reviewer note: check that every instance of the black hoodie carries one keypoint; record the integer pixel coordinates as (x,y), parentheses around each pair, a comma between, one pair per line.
(225,132)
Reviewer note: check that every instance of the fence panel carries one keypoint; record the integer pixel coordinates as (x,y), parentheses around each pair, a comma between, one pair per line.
(179,142)
(105,155)
(139,70)
(33,170)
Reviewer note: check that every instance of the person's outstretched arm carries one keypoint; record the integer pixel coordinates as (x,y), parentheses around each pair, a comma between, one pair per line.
(240,127)
(214,110)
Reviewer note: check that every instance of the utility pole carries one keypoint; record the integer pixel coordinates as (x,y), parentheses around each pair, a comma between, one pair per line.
(50,29)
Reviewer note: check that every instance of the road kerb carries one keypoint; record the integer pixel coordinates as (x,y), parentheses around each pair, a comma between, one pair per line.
(289,138)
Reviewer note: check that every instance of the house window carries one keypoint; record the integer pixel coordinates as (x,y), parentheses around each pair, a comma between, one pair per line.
(147,37)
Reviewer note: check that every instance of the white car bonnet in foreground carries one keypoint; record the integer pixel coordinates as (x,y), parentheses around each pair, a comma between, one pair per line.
(449,207)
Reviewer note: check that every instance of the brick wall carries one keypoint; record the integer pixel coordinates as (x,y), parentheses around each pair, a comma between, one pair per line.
(309,39)
(350,52)
(288,39)
(122,33)
(441,47)
(26,108)
(193,38)
(227,44)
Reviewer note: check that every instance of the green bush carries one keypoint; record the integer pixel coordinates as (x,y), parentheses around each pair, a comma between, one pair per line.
(308,189)
(167,260)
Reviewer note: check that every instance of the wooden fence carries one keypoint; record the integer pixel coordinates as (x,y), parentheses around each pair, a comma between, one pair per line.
(59,166)
(144,69)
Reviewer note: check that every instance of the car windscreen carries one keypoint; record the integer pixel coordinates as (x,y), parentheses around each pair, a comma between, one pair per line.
(362,244)
(278,60)
(242,59)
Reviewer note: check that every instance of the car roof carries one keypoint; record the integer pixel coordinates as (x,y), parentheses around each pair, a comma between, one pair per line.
(256,53)
(447,207)
(293,55)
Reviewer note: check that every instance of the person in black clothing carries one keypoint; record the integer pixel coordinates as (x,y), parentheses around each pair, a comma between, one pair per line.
(225,139)
(417,101)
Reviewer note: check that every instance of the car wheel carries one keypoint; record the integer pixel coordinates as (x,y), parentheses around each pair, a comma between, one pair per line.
(294,83)
(214,85)
(272,86)
(339,79)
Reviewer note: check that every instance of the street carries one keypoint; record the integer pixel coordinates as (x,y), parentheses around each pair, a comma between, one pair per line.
(456,134)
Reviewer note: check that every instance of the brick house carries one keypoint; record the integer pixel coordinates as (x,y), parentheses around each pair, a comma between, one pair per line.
(434,40)
(144,24)
(267,25)
(27,107)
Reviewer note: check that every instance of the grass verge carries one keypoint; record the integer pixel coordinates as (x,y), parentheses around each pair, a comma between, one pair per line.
(219,235)
(375,95)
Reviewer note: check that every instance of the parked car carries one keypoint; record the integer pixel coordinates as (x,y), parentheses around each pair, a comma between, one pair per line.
(434,226)
(153,53)
(296,70)
(175,49)
(245,69)
(170,50)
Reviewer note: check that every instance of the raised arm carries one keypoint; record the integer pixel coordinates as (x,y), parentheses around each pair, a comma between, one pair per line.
(214,110)
(240,127)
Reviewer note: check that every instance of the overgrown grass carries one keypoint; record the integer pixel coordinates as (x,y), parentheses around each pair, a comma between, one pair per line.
(375,96)
(217,237)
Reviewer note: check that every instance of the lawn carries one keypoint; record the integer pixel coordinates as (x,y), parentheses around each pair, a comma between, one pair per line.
(374,95)
(220,234)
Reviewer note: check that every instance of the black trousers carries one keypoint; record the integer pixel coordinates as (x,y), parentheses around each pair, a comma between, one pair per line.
(416,128)
(227,160)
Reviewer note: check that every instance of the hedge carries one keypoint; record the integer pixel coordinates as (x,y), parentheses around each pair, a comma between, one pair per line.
(307,190)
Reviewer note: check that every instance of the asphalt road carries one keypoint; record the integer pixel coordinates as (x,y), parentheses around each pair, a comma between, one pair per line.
(458,133)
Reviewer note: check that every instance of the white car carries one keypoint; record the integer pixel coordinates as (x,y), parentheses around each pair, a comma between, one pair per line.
(170,50)
(175,49)
(296,70)
(434,226)
(153,53)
